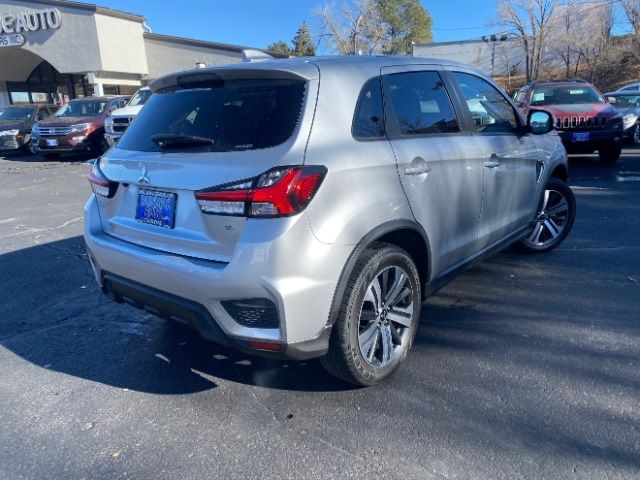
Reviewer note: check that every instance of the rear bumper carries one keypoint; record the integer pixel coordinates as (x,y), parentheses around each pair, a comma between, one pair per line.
(171,307)
(294,271)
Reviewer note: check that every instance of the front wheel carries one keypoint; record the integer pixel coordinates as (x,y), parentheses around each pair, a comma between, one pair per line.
(30,148)
(635,137)
(555,217)
(610,155)
(378,317)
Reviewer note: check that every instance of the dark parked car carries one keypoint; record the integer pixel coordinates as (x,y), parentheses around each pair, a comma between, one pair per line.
(78,127)
(628,104)
(16,122)
(584,119)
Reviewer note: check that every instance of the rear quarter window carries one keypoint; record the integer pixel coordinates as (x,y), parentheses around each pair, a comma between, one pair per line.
(235,114)
(368,120)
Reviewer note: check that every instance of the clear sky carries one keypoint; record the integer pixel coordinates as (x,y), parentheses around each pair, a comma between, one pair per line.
(257,23)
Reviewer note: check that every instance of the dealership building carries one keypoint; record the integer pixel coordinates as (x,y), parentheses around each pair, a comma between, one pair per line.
(56,50)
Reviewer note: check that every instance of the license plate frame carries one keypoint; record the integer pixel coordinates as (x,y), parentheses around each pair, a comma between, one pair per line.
(51,142)
(158,208)
(581,137)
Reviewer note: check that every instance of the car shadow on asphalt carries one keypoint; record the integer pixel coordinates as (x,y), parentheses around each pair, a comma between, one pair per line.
(59,320)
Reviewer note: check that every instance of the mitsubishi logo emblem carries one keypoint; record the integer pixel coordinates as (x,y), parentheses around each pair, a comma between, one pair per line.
(143,175)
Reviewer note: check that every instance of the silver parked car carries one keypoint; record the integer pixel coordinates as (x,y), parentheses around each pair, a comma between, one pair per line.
(304,208)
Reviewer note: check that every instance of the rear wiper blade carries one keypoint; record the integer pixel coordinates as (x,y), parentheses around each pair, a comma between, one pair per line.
(167,140)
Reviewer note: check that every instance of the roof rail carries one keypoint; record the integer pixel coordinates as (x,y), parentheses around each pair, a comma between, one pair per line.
(253,55)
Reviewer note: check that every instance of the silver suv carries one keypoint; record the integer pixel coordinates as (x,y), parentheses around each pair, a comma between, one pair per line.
(305,208)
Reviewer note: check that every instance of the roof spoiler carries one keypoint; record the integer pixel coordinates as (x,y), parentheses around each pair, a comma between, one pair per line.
(252,55)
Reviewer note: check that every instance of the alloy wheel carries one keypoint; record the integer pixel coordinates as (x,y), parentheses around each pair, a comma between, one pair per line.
(636,134)
(551,219)
(386,316)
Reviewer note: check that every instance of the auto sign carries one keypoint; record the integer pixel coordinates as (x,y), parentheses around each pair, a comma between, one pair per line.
(14,40)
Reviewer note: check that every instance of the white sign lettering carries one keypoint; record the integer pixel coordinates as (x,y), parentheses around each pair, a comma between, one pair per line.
(30,21)
(14,40)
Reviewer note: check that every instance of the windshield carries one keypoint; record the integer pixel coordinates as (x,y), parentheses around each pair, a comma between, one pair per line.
(82,108)
(627,101)
(140,98)
(565,95)
(231,114)
(16,113)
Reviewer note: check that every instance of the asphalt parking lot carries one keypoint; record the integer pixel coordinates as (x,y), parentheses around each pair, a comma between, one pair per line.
(525,367)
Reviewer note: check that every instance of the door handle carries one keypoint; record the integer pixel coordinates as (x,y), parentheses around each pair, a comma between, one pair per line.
(493,162)
(419,170)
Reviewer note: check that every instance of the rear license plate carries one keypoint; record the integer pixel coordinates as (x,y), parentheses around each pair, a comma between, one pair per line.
(52,142)
(581,137)
(156,208)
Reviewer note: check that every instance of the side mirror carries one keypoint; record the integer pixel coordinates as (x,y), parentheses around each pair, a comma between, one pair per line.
(540,122)
(612,100)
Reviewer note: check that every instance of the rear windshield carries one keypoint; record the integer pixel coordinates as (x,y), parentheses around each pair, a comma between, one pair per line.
(565,96)
(233,114)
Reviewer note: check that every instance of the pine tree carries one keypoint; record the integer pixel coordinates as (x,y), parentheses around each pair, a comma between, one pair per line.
(280,47)
(303,43)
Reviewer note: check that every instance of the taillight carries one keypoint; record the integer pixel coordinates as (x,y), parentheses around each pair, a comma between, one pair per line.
(100,184)
(279,192)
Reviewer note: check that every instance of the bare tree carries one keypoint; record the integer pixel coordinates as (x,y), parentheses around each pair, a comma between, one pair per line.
(529,21)
(631,10)
(593,37)
(353,29)
(565,28)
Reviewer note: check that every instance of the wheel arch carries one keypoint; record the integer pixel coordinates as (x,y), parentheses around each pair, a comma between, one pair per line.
(560,172)
(406,234)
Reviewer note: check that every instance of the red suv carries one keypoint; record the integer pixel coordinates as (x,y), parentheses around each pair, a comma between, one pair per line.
(78,127)
(584,119)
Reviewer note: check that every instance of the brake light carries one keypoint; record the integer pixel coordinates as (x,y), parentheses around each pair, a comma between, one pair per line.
(100,184)
(278,192)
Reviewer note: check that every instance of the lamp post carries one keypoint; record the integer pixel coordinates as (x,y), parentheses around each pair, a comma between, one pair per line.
(493,39)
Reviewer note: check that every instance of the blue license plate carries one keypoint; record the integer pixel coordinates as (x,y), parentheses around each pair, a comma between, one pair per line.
(581,137)
(156,208)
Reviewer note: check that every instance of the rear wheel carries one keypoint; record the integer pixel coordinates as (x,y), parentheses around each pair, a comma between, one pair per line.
(378,317)
(555,217)
(610,155)
(635,138)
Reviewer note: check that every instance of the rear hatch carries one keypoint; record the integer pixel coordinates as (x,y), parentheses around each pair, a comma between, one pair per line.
(204,129)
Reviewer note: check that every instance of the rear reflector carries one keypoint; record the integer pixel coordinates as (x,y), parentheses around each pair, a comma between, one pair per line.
(278,192)
(263,345)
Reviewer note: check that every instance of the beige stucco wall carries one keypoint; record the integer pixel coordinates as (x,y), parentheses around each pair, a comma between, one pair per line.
(121,44)
(165,56)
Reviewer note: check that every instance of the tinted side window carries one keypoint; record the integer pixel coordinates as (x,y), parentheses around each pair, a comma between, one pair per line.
(490,110)
(421,103)
(368,120)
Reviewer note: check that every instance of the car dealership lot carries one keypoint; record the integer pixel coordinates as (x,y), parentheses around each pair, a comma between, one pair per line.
(525,367)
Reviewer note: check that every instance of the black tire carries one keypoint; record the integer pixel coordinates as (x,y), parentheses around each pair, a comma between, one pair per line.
(553,221)
(384,264)
(29,148)
(610,155)
(635,135)
(51,156)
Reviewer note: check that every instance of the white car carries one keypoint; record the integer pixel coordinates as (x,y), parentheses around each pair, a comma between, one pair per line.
(120,119)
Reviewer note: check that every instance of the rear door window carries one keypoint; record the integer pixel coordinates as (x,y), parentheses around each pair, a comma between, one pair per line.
(235,115)
(420,103)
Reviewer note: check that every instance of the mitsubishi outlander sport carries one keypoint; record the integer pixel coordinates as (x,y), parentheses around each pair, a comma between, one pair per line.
(304,208)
